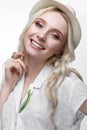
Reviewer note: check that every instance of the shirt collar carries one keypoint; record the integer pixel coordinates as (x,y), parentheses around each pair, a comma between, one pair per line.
(42,76)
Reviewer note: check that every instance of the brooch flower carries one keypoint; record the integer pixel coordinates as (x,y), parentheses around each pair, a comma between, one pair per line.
(24,104)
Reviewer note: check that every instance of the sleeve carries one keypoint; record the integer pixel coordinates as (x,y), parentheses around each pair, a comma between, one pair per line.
(78,94)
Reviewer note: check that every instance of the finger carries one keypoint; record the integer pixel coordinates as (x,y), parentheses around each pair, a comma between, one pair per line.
(16,65)
(21,63)
(19,69)
(16,68)
(17,55)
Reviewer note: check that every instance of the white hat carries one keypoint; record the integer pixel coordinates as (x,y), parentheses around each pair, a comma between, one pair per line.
(67,10)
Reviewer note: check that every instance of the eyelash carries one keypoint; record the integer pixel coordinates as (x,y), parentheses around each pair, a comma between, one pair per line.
(38,24)
(55,36)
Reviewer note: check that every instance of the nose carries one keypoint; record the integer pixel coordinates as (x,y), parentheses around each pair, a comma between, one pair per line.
(42,36)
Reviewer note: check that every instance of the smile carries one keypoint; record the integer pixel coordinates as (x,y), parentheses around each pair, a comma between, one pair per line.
(37,45)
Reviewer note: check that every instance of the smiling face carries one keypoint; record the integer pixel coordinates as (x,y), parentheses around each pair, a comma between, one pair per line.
(46,35)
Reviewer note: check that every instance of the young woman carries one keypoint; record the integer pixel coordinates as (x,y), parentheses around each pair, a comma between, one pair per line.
(39,90)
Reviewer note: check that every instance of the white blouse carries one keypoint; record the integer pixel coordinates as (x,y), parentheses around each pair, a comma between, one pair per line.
(71,94)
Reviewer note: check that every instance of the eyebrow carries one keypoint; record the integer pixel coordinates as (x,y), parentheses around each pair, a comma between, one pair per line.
(55,29)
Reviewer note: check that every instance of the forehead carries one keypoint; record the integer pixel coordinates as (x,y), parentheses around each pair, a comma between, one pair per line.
(54,20)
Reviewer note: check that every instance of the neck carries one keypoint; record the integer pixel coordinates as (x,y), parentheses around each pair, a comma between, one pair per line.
(34,67)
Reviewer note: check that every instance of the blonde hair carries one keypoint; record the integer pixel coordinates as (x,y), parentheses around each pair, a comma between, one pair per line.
(60,71)
(59,65)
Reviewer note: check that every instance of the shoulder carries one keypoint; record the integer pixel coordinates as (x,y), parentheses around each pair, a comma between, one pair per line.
(73,88)
(75,91)
(73,80)
(73,85)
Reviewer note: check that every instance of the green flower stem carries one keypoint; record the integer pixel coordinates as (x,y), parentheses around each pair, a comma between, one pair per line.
(24,104)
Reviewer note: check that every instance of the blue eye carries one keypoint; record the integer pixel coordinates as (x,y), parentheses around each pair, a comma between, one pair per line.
(38,24)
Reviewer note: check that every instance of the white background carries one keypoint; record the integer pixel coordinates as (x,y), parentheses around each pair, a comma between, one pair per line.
(13,18)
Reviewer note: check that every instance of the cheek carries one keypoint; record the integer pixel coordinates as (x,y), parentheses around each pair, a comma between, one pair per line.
(26,37)
(55,47)
(28,34)
(32,29)
(29,31)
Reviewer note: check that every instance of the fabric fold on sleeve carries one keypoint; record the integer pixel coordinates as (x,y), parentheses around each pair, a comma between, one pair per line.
(78,95)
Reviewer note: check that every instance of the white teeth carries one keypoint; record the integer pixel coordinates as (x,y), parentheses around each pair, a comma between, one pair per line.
(36,44)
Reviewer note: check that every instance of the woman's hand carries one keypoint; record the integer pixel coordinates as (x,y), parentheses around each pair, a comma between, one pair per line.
(14,68)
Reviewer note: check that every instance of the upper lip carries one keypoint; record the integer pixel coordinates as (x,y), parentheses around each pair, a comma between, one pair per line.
(38,43)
